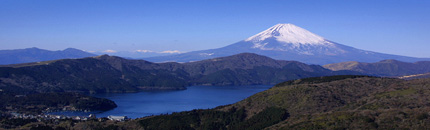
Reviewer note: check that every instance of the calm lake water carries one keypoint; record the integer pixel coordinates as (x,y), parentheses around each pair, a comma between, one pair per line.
(146,103)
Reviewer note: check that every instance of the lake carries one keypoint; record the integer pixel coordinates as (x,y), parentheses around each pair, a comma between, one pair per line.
(146,103)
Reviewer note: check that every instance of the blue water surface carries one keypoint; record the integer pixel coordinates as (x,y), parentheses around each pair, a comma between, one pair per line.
(146,103)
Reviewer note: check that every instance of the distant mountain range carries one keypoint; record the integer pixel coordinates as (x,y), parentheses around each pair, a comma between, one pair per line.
(281,42)
(35,55)
(289,42)
(138,54)
(105,73)
(383,68)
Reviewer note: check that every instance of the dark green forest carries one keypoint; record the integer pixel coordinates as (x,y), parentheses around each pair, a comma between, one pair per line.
(336,102)
(39,102)
(110,74)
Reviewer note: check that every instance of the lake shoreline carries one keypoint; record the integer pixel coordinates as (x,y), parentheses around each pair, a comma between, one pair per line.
(156,102)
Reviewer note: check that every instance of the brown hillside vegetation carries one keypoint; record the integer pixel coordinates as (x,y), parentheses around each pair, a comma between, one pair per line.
(352,103)
(415,76)
(390,68)
(336,102)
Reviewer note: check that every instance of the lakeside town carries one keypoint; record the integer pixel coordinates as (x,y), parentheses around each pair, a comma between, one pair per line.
(42,117)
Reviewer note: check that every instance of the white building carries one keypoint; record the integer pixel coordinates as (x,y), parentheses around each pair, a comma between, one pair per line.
(117,118)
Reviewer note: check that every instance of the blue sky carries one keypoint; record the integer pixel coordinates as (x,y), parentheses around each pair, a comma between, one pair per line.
(390,26)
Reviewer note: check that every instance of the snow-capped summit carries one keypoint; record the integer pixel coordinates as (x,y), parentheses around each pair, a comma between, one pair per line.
(288,33)
(288,42)
(289,37)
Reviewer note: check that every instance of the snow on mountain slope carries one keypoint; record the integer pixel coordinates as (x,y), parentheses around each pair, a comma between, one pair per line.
(288,33)
(289,42)
(288,37)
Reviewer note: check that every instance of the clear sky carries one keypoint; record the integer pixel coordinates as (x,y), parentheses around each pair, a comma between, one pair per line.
(390,26)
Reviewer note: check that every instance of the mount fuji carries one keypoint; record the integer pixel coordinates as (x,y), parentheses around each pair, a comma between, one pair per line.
(289,42)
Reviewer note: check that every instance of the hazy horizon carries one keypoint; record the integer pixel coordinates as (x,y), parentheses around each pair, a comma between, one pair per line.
(393,27)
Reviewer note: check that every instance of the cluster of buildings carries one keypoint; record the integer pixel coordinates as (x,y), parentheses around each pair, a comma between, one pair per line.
(79,118)
(49,117)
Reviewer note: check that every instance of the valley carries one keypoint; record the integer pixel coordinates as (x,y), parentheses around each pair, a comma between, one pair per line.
(214,65)
(110,74)
(62,80)
(334,102)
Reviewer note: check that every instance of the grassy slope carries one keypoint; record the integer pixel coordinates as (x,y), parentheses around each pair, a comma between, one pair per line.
(383,68)
(359,103)
(337,102)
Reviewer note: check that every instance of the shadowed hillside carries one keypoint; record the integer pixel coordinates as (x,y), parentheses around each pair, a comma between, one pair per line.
(336,102)
(105,73)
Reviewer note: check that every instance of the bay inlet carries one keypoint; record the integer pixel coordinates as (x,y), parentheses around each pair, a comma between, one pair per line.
(147,103)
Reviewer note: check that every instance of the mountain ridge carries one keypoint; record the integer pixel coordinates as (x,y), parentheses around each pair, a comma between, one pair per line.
(34,54)
(388,67)
(288,42)
(333,102)
(101,74)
